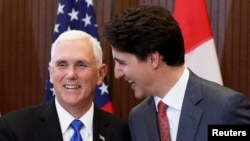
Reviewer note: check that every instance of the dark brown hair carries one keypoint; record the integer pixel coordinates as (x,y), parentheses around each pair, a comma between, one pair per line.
(141,31)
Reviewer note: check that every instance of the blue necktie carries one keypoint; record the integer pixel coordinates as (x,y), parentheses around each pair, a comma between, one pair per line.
(76,125)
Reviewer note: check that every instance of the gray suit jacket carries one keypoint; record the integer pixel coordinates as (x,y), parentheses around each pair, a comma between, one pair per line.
(205,103)
(41,123)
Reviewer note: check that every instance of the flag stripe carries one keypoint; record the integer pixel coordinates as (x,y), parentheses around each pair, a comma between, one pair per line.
(193,14)
(108,107)
(200,52)
(203,61)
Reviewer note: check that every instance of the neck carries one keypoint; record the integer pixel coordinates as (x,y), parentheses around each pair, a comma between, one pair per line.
(167,77)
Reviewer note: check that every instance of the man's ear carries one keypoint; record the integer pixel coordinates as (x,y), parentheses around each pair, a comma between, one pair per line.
(102,73)
(51,71)
(155,59)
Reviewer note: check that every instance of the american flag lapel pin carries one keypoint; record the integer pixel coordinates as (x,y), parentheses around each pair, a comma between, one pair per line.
(101,137)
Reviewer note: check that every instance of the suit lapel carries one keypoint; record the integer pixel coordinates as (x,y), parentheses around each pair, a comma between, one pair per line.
(190,113)
(151,121)
(100,125)
(48,127)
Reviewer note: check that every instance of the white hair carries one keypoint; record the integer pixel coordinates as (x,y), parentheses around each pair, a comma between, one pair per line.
(77,34)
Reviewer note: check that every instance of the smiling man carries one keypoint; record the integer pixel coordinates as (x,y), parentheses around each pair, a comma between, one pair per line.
(76,68)
(148,51)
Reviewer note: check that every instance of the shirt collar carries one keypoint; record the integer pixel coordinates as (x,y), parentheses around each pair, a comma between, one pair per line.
(65,118)
(174,98)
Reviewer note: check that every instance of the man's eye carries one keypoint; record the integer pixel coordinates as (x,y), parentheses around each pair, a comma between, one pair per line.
(62,64)
(121,62)
(82,65)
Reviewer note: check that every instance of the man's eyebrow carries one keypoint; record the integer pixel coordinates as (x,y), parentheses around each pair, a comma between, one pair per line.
(118,60)
(60,61)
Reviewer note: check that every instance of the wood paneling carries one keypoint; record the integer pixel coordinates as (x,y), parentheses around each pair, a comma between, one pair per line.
(26,32)
(235,58)
(122,95)
(20,79)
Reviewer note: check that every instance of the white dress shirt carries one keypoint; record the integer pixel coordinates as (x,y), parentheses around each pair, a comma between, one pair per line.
(174,100)
(65,119)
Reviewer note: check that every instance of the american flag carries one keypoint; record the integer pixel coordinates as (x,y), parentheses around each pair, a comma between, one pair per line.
(79,15)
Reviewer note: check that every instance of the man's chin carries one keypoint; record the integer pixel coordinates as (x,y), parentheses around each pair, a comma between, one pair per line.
(139,96)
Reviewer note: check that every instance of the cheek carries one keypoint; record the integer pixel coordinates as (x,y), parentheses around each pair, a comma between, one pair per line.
(131,71)
(86,77)
(139,74)
(51,73)
(89,76)
(56,75)
(54,78)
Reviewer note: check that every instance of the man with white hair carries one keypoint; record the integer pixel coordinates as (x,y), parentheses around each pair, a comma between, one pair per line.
(76,68)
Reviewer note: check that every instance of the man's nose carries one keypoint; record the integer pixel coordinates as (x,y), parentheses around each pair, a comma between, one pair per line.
(118,72)
(71,73)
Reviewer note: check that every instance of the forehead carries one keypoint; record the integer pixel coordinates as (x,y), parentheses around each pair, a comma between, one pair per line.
(79,48)
(84,43)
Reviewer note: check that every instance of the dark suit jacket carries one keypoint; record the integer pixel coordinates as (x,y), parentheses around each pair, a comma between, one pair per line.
(6,134)
(41,123)
(205,103)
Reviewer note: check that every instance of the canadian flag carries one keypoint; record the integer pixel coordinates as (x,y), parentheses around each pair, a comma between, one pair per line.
(200,53)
